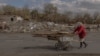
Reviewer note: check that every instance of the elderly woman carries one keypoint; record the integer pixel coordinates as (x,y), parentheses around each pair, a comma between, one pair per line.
(80,30)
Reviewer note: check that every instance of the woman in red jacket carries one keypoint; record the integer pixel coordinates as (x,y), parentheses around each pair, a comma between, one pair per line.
(80,30)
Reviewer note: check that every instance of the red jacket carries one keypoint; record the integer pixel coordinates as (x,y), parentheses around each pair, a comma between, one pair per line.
(80,30)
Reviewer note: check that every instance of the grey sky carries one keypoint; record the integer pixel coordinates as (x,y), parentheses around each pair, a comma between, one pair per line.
(63,5)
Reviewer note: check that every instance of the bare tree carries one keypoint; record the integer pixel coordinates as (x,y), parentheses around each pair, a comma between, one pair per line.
(96,17)
(50,12)
(9,10)
(35,14)
(25,12)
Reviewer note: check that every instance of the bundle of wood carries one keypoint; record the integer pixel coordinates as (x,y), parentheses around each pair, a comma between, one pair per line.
(51,35)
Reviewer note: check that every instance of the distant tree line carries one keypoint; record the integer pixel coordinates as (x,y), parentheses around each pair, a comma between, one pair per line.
(51,14)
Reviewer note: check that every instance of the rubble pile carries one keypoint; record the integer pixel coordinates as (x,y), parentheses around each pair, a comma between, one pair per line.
(18,24)
(48,26)
(36,26)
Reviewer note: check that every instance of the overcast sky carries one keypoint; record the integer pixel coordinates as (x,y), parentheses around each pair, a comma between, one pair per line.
(63,5)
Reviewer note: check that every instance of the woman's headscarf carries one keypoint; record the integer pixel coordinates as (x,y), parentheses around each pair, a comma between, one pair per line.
(78,24)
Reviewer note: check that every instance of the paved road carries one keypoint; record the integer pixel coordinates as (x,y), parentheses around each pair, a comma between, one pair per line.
(23,44)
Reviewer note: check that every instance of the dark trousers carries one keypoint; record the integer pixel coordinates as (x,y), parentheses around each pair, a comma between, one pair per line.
(83,43)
